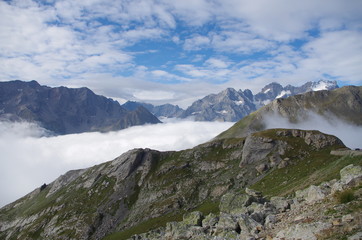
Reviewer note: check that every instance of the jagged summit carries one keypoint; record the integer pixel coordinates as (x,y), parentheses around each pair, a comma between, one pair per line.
(66,110)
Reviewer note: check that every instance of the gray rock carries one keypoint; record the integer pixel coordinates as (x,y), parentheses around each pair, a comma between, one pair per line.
(235,203)
(248,225)
(193,219)
(351,174)
(303,231)
(210,220)
(357,236)
(281,204)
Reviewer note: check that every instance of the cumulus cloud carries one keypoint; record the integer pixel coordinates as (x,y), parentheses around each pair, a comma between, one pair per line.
(350,134)
(28,159)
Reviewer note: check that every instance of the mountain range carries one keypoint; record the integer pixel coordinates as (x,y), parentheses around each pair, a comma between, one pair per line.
(232,105)
(257,184)
(67,110)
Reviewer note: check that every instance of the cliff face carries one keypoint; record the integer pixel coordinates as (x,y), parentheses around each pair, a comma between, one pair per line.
(65,110)
(144,189)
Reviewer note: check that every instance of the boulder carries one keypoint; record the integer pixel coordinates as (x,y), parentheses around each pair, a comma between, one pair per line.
(193,219)
(351,174)
(280,203)
(248,225)
(235,203)
(210,220)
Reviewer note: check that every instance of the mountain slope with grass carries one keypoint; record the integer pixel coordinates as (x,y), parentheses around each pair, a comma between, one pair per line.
(343,103)
(144,189)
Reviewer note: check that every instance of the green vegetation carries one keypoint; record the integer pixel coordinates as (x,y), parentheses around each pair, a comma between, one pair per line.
(345,196)
(318,167)
(146,226)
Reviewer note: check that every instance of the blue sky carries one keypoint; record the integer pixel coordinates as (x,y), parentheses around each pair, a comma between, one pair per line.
(178,51)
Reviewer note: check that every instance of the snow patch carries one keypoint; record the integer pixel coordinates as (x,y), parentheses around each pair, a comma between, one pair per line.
(241,102)
(284,93)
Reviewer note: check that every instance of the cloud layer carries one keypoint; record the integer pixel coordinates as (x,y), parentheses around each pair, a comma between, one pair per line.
(191,47)
(29,160)
(351,135)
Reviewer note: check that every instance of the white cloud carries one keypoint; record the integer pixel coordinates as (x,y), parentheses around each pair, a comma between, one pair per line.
(28,161)
(351,135)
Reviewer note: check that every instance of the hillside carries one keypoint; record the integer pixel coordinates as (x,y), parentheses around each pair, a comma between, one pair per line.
(143,189)
(66,110)
(343,103)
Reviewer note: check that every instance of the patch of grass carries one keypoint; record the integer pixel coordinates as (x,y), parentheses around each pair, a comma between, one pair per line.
(145,226)
(345,196)
(208,207)
(317,167)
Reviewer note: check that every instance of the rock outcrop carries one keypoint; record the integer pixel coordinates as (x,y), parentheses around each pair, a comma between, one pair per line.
(243,216)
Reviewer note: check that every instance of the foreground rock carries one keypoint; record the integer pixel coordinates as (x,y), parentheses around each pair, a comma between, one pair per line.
(304,217)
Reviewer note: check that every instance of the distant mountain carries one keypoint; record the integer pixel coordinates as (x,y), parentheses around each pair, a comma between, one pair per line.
(66,110)
(343,103)
(165,110)
(231,105)
(228,105)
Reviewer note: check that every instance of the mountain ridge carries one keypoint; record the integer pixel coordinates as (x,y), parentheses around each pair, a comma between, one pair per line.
(231,105)
(66,110)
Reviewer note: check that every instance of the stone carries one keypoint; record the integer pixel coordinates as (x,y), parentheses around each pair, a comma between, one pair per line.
(248,225)
(314,193)
(303,231)
(235,202)
(193,218)
(347,218)
(227,222)
(280,203)
(210,220)
(351,174)
(357,236)
(261,168)
(270,220)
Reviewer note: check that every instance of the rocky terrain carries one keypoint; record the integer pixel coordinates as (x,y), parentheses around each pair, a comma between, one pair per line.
(331,210)
(65,110)
(145,189)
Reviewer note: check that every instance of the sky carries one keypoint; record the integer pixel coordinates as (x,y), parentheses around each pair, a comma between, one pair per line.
(166,51)
(30,159)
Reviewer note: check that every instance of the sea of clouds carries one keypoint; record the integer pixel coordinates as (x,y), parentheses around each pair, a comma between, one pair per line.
(350,134)
(30,157)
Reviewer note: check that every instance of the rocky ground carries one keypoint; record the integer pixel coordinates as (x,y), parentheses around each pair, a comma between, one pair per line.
(331,210)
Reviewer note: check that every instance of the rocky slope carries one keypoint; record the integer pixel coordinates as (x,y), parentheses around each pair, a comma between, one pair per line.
(331,210)
(65,110)
(144,189)
(344,104)
(232,105)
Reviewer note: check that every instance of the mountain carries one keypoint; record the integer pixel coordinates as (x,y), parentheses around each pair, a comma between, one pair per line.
(66,110)
(343,103)
(231,105)
(144,189)
(164,110)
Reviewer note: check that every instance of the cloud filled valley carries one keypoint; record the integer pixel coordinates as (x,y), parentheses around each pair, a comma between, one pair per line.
(29,158)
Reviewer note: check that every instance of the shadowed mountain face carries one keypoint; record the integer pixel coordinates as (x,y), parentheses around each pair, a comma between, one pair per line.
(65,110)
(344,104)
